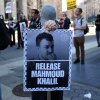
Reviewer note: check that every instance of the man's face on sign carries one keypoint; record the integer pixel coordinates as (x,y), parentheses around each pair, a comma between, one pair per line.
(46,49)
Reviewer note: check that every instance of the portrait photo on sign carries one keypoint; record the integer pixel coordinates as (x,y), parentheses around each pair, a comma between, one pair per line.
(47,46)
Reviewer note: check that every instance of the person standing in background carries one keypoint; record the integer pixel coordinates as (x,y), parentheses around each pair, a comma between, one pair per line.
(61,23)
(35,20)
(67,22)
(20,41)
(97,24)
(79,38)
(11,25)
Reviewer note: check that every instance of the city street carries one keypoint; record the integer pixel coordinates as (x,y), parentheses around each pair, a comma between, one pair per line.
(85,78)
(31,59)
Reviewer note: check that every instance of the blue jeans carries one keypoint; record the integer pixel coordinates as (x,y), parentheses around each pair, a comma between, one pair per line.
(98,37)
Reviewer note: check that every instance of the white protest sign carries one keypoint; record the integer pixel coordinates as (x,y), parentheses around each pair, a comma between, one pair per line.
(22,28)
(8,8)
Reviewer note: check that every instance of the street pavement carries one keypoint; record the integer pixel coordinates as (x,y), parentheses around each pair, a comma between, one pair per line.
(85,78)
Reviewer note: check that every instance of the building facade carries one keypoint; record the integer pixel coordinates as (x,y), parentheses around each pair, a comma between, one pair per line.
(14,8)
(90,9)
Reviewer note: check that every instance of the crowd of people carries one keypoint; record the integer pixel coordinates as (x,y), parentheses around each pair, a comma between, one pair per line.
(64,23)
(35,23)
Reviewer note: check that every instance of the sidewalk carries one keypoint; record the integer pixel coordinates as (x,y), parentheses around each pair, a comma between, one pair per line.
(77,92)
(85,79)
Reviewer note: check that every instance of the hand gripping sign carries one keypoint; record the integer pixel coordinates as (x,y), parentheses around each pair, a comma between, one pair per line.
(47,60)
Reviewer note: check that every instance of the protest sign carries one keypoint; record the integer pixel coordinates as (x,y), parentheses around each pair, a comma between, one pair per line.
(22,28)
(8,8)
(47,63)
(71,4)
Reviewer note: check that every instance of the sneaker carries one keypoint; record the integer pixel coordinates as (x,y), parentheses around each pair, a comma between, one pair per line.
(76,61)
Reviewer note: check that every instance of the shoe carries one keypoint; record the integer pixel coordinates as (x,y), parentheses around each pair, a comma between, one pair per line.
(13,43)
(22,46)
(82,62)
(76,61)
(98,45)
(18,47)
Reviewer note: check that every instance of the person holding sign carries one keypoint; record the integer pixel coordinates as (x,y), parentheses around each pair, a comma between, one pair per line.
(20,39)
(45,45)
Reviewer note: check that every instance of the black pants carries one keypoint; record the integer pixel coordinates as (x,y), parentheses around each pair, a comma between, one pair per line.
(98,37)
(20,41)
(55,95)
(12,36)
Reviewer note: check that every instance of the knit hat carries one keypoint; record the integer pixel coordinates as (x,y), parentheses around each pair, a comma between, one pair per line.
(48,12)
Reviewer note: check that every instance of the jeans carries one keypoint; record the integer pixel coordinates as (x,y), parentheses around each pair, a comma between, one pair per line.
(79,47)
(98,37)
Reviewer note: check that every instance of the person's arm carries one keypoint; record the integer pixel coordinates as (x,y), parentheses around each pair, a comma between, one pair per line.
(82,27)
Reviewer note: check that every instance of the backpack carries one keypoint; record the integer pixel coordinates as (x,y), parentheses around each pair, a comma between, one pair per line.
(4,35)
(87,28)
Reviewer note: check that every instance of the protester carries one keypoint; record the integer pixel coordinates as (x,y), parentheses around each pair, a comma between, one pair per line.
(97,24)
(48,14)
(61,22)
(4,40)
(19,36)
(67,22)
(11,25)
(4,35)
(79,38)
(35,20)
